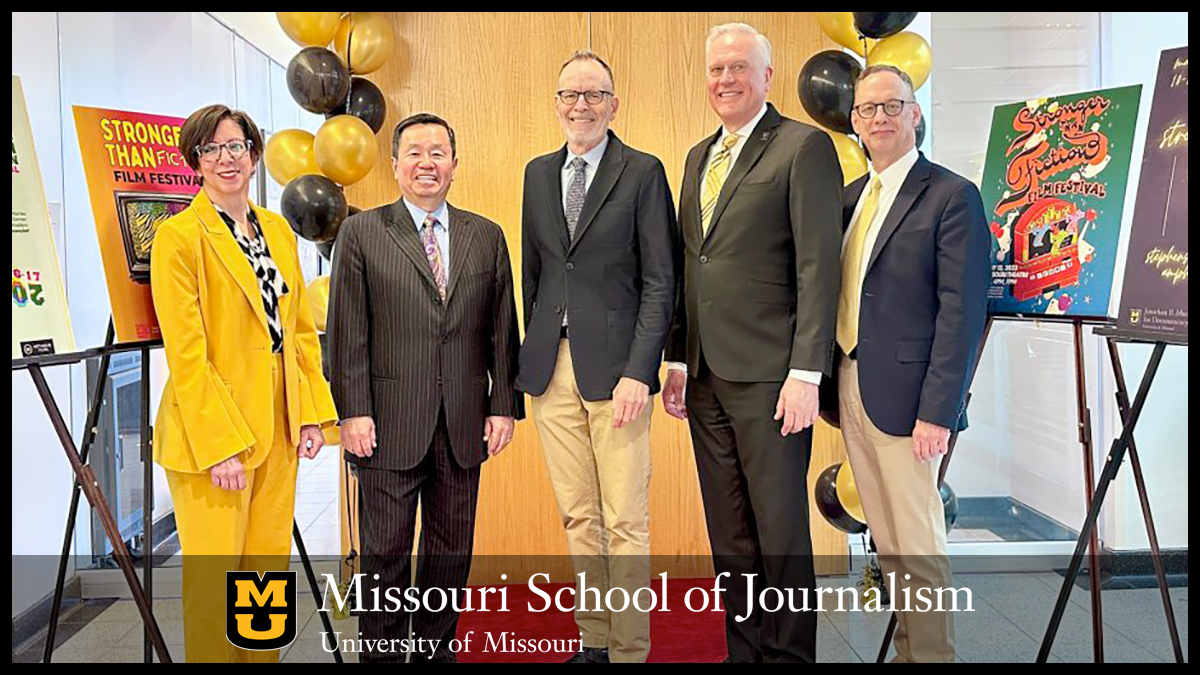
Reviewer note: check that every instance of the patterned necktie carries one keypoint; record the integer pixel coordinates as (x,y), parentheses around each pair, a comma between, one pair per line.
(576,193)
(848,299)
(714,180)
(433,252)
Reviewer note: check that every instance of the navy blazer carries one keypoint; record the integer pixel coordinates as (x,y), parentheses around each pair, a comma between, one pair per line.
(924,302)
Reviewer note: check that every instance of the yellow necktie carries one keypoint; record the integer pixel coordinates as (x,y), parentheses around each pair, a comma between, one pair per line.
(714,180)
(852,261)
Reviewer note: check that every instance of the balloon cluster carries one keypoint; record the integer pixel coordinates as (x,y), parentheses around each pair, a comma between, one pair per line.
(837,498)
(827,79)
(324,78)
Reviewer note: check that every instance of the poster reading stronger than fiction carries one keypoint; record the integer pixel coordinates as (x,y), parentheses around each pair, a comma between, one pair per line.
(1154,299)
(1054,187)
(137,178)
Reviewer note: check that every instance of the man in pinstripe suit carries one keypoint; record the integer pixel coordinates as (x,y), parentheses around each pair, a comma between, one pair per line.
(423,352)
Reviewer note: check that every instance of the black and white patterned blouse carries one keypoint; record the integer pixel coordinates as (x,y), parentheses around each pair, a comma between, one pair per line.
(270,281)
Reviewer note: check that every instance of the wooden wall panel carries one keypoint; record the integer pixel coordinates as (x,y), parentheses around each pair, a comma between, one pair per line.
(492,76)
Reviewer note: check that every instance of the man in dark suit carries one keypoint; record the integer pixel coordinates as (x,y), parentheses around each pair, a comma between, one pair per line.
(423,350)
(759,213)
(915,274)
(599,284)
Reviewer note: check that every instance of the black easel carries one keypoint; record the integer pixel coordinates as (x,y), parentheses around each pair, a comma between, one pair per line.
(85,483)
(1123,444)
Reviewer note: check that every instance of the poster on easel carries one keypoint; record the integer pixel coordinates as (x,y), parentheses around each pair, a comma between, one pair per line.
(1154,298)
(1054,184)
(41,324)
(137,178)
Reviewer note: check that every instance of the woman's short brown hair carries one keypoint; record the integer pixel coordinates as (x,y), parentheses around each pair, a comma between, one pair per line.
(201,127)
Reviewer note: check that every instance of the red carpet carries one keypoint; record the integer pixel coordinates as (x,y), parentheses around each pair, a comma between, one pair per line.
(677,636)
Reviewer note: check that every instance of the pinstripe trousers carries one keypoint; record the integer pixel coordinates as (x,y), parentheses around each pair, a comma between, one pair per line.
(447,494)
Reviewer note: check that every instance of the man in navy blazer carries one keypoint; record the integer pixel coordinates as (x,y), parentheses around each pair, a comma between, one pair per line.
(911,313)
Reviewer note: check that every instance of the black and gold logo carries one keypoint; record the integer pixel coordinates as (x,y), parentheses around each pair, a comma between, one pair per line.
(260,612)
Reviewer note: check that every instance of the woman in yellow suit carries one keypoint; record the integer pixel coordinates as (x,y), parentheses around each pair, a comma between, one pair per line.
(246,397)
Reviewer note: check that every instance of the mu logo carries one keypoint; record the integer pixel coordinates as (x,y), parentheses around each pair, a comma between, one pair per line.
(260,613)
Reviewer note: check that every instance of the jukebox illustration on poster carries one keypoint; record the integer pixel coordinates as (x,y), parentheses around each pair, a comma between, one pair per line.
(1054,188)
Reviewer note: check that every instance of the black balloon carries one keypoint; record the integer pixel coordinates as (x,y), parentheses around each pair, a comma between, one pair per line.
(325,248)
(921,132)
(318,80)
(365,102)
(315,207)
(949,505)
(831,507)
(882,24)
(827,89)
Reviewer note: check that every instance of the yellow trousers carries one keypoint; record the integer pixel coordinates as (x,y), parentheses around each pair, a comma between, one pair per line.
(226,530)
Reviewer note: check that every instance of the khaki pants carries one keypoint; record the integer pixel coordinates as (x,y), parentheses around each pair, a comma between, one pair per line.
(601,479)
(904,511)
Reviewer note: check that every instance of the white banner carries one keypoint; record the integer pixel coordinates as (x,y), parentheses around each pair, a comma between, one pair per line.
(40,321)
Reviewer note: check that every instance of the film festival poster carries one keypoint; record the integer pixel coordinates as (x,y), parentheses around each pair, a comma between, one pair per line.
(1154,298)
(1053,188)
(41,322)
(137,178)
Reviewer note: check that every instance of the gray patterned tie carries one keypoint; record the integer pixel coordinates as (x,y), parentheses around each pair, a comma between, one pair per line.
(576,193)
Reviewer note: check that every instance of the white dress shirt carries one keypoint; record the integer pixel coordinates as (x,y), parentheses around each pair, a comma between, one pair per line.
(592,157)
(441,231)
(890,180)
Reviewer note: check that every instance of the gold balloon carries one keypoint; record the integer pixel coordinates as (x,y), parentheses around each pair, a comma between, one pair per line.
(847,492)
(907,51)
(368,38)
(850,156)
(309,29)
(839,26)
(345,148)
(289,154)
(318,300)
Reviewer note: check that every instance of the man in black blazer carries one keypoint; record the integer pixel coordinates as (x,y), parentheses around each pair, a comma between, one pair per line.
(599,284)
(915,274)
(423,347)
(759,214)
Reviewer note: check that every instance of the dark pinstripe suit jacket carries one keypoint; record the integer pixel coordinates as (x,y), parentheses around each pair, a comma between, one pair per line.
(398,353)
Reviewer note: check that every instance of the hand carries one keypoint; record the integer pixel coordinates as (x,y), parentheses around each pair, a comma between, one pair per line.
(311,441)
(629,400)
(798,406)
(498,433)
(930,441)
(358,436)
(229,475)
(673,394)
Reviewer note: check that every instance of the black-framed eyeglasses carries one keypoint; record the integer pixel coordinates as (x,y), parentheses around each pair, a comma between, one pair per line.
(211,152)
(892,108)
(593,97)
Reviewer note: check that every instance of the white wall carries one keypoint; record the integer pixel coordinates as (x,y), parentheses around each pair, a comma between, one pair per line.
(164,63)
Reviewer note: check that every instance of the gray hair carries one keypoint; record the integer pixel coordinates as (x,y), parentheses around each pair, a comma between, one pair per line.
(886,68)
(764,45)
(589,55)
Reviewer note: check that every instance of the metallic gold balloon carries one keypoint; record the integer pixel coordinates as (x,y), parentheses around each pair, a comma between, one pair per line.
(839,26)
(850,156)
(309,29)
(907,51)
(318,300)
(364,41)
(289,154)
(847,491)
(346,149)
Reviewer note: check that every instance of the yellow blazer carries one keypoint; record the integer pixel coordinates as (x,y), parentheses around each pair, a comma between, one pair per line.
(219,398)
